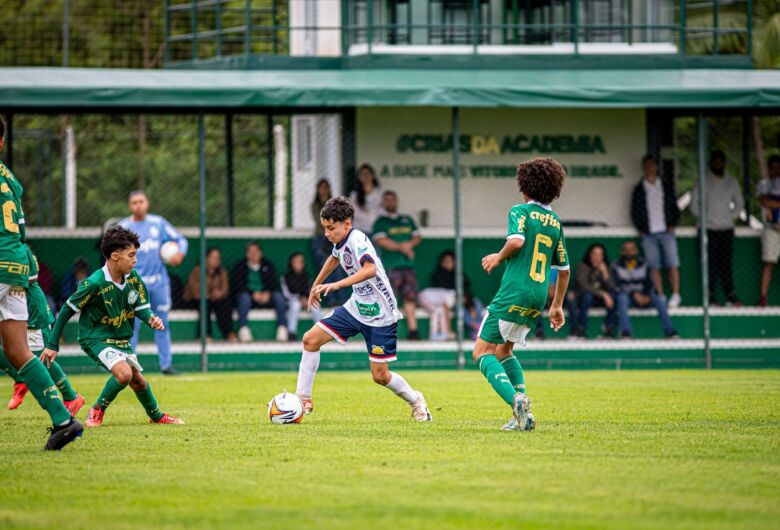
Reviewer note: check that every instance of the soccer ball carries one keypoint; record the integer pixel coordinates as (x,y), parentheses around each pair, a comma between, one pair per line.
(168,251)
(285,408)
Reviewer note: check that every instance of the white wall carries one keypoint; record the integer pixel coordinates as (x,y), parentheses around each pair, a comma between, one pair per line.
(486,200)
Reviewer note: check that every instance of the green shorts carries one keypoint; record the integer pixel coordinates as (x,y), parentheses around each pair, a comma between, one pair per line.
(497,331)
(108,352)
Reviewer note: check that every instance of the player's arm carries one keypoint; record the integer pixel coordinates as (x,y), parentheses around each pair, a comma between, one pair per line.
(328,267)
(143,308)
(72,306)
(510,248)
(367,271)
(556,315)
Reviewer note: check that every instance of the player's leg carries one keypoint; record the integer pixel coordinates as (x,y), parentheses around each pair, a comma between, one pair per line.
(20,388)
(36,340)
(145,396)
(484,354)
(511,365)
(339,326)
(160,298)
(121,375)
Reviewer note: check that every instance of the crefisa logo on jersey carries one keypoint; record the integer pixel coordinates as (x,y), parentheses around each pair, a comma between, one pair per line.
(132,297)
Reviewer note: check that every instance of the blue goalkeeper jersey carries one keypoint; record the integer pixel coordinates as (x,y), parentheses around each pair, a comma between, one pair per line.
(153,231)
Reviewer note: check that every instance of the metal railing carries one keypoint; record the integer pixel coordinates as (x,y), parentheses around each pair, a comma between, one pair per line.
(215,29)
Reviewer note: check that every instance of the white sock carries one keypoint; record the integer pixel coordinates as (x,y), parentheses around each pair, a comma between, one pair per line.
(310,361)
(401,388)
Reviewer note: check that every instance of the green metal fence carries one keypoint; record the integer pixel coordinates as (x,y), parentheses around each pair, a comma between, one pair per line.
(219,29)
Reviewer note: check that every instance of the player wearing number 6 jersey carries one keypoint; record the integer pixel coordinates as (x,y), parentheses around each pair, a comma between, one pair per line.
(534,244)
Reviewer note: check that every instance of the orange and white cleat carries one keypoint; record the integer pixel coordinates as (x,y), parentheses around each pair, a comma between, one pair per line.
(74,406)
(308,406)
(95,417)
(168,419)
(20,390)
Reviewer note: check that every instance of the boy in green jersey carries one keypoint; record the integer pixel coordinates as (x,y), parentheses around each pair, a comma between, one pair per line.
(534,244)
(14,280)
(109,301)
(39,324)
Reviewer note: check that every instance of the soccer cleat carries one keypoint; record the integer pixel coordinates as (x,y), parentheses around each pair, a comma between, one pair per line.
(308,406)
(20,390)
(531,423)
(511,425)
(420,410)
(95,417)
(61,436)
(74,406)
(168,419)
(521,408)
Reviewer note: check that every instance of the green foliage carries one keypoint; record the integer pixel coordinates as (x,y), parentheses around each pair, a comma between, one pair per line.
(613,450)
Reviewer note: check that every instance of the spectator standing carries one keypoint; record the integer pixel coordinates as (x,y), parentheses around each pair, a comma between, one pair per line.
(296,286)
(593,286)
(768,193)
(154,231)
(655,215)
(254,284)
(439,298)
(320,246)
(217,291)
(396,234)
(367,199)
(724,204)
(634,288)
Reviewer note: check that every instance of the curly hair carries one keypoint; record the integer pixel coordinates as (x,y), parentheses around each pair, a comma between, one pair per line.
(541,179)
(117,238)
(338,209)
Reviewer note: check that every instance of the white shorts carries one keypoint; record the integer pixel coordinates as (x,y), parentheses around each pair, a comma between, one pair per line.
(13,302)
(433,297)
(35,340)
(110,356)
(770,245)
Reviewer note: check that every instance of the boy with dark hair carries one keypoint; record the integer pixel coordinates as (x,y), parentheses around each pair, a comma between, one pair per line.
(109,300)
(523,293)
(14,280)
(371,310)
(39,324)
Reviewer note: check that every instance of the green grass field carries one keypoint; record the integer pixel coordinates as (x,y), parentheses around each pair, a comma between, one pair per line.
(617,450)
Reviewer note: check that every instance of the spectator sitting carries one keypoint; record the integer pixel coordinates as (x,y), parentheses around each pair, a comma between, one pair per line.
(71,281)
(439,298)
(367,199)
(655,215)
(254,284)
(634,288)
(296,285)
(396,234)
(724,204)
(473,312)
(593,286)
(768,193)
(217,290)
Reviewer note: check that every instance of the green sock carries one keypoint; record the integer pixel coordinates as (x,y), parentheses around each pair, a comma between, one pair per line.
(149,402)
(5,365)
(496,376)
(61,380)
(110,391)
(515,372)
(41,386)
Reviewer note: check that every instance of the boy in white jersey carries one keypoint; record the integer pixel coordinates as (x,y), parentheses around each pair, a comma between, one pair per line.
(371,310)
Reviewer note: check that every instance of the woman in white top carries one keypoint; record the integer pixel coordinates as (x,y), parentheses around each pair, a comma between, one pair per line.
(367,199)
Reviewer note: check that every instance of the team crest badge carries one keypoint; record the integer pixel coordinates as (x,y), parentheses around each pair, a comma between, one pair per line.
(377,350)
(348,258)
(132,297)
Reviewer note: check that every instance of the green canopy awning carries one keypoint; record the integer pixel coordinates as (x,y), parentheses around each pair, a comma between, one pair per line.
(71,88)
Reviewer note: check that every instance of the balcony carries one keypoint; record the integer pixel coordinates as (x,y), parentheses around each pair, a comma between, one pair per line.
(444,33)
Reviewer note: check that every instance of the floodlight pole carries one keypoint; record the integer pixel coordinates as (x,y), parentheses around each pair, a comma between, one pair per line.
(701,128)
(458,235)
(204,315)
